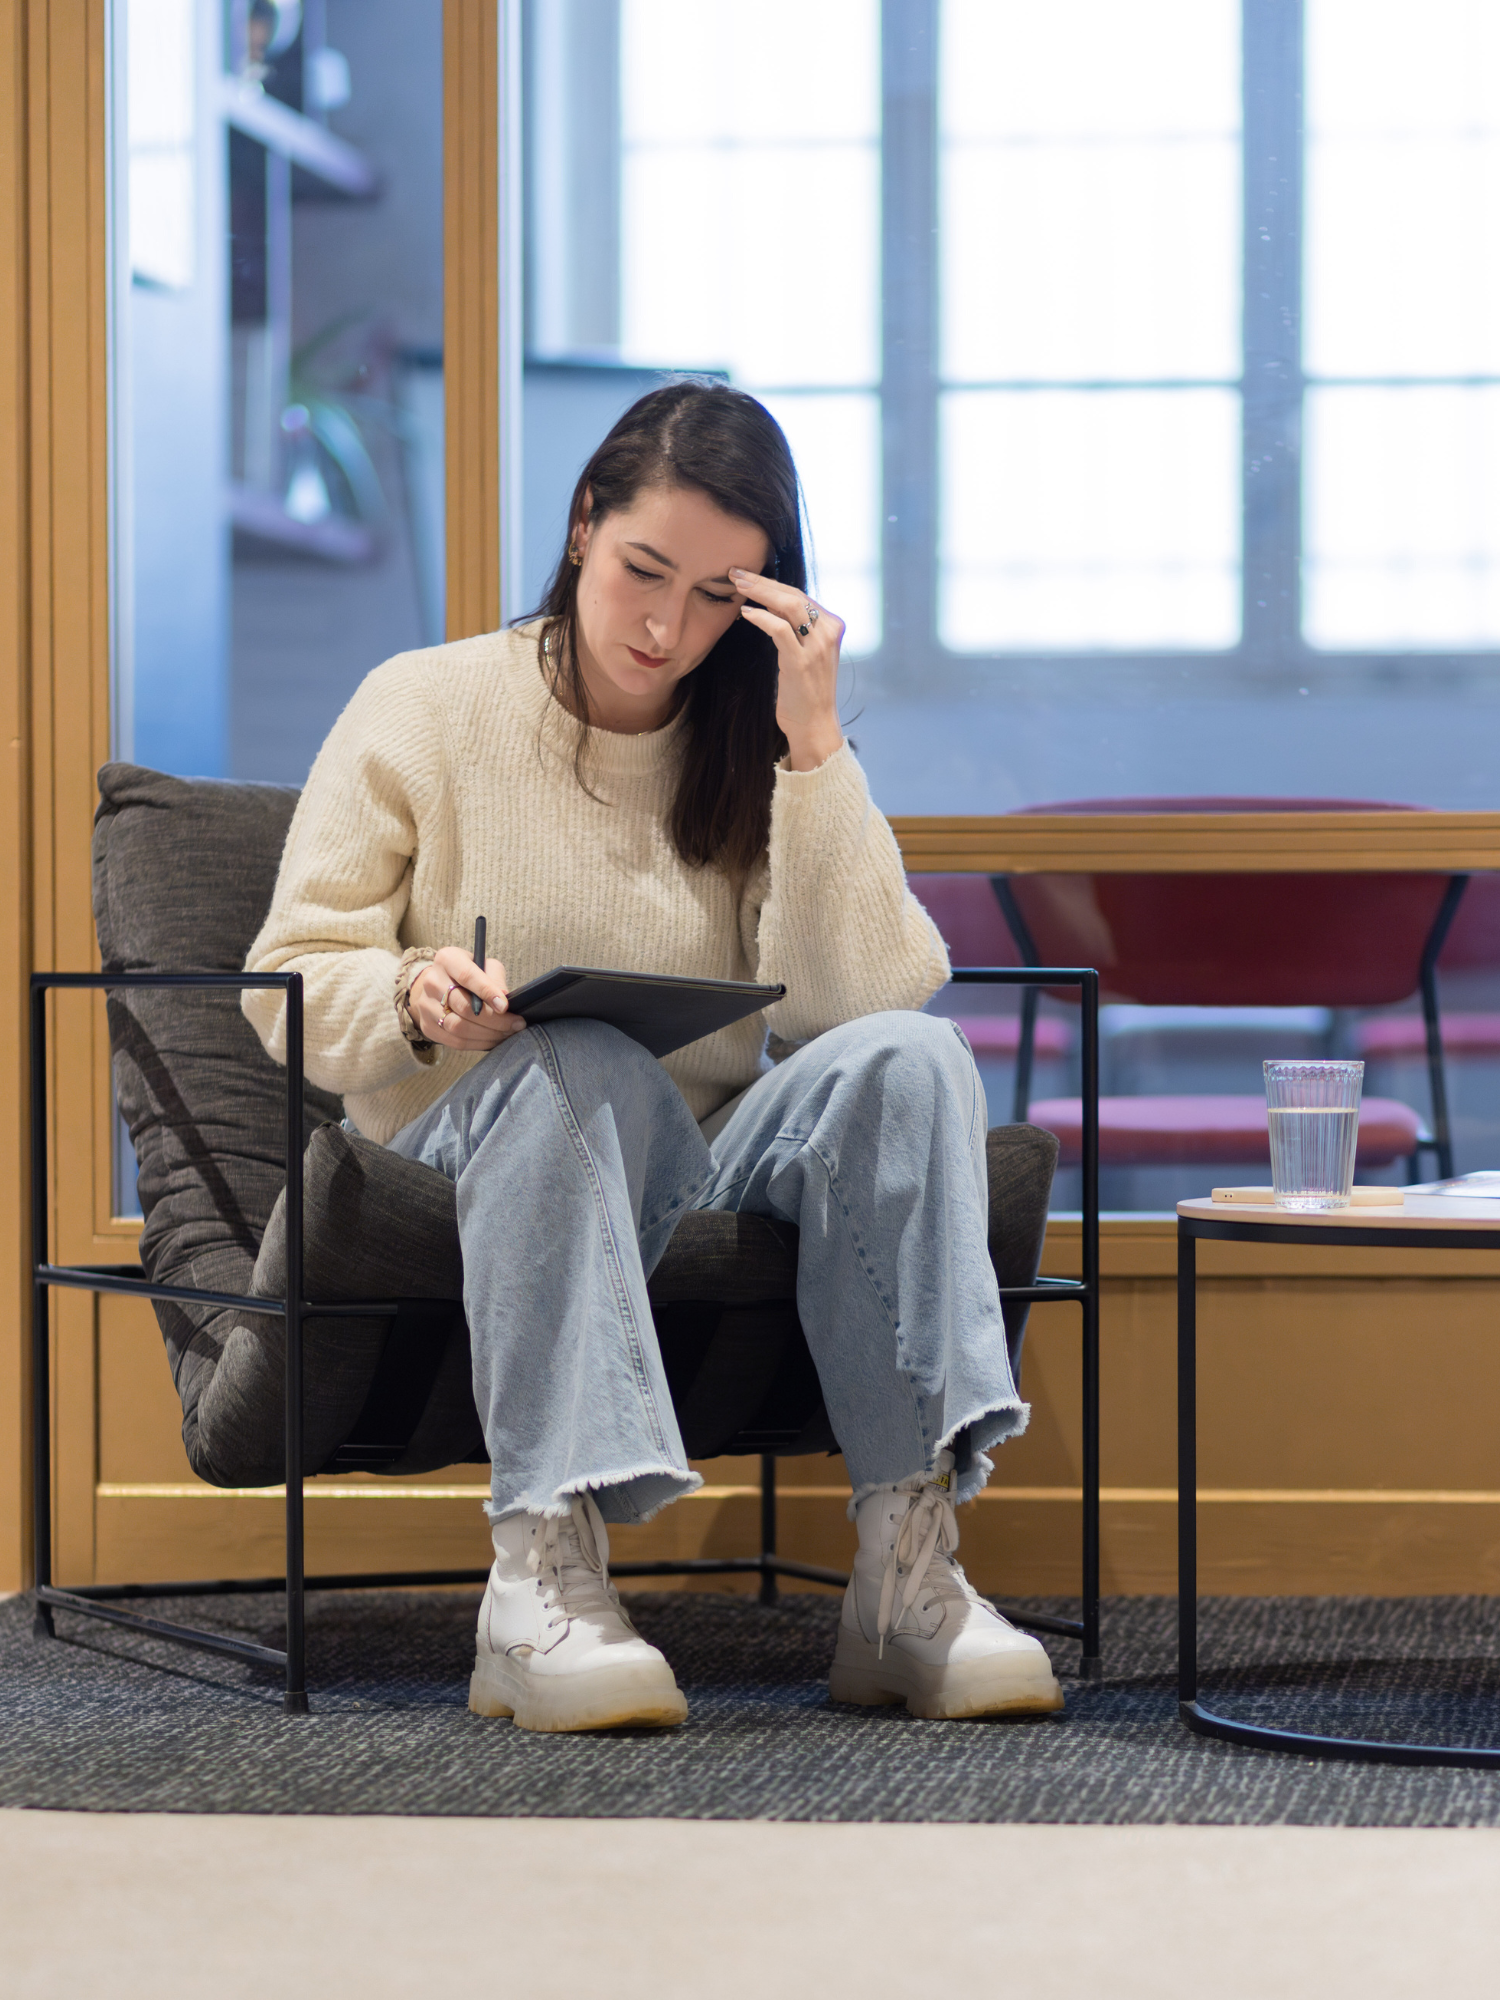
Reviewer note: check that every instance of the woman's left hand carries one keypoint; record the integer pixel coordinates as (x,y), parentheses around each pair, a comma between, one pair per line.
(807,640)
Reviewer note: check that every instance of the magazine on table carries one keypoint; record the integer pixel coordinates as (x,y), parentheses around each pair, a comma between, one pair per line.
(1483,1185)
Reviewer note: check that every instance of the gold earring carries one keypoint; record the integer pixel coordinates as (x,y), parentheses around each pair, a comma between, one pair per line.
(575,555)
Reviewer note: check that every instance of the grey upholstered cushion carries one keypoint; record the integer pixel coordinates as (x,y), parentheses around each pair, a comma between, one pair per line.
(1022,1160)
(375,1226)
(183,871)
(723,1296)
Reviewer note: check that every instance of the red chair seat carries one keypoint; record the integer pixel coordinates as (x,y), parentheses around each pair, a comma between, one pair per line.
(1213,1131)
(1405,1035)
(1000,1034)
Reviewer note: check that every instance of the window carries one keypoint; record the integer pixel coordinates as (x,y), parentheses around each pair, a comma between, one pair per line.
(1089,342)
(278,412)
(1402,339)
(1146,422)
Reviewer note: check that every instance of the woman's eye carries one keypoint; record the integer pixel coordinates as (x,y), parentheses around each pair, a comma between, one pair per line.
(645,575)
(714,599)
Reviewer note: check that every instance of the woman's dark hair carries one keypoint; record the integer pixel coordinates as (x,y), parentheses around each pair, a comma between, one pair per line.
(714,440)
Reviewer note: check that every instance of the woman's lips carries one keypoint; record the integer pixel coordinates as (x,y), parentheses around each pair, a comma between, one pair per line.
(647,659)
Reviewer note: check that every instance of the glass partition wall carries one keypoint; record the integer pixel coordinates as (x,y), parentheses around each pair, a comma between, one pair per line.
(279,438)
(1140,364)
(278,354)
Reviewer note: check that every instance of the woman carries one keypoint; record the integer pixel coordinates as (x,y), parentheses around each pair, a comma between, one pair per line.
(653,776)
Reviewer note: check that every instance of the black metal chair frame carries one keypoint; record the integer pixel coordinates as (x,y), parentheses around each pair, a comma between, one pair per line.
(106,1601)
(1439,1142)
(1191,1711)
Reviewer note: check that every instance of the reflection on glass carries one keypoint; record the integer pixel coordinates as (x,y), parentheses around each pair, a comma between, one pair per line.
(1090,519)
(1090,231)
(1402,528)
(1403,517)
(279,411)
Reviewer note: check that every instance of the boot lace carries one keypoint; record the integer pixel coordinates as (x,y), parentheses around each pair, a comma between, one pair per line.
(928,1530)
(570,1559)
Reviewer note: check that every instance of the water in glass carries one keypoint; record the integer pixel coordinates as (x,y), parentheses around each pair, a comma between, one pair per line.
(1313,1112)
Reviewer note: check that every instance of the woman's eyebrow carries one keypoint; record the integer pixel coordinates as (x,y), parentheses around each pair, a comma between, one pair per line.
(655,554)
(667,562)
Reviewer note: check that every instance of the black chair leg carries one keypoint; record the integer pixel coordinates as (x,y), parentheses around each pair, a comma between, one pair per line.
(769,1592)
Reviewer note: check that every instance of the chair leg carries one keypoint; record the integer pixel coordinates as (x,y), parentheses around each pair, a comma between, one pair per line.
(769,1592)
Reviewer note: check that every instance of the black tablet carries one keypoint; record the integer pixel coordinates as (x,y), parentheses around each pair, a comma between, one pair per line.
(661,1011)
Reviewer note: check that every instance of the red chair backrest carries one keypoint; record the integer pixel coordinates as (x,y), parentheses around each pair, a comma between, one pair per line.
(965,910)
(1474,941)
(1236,940)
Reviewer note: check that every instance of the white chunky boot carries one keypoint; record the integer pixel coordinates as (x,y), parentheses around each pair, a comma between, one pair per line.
(556,1649)
(914,1628)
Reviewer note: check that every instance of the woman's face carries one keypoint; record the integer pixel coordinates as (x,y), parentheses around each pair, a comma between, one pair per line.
(654,599)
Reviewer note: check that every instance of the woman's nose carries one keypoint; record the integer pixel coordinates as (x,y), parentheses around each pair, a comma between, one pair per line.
(664,624)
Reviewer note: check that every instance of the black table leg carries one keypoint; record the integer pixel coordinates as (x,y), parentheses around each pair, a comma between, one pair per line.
(1194,1716)
(1187,1471)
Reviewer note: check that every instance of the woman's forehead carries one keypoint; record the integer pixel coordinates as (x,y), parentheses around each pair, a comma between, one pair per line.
(686,528)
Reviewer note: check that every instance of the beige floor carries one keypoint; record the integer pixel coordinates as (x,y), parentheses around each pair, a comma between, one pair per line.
(158,1907)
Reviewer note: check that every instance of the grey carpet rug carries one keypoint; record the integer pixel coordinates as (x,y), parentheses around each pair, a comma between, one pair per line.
(100,1720)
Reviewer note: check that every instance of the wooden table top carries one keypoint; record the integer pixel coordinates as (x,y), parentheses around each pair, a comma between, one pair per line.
(1269,843)
(1431,1211)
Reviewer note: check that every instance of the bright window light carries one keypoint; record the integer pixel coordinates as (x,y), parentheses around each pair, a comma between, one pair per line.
(750,240)
(1075,519)
(1090,190)
(1403,188)
(159,57)
(836,443)
(1090,200)
(730,165)
(1401,494)
(1402,517)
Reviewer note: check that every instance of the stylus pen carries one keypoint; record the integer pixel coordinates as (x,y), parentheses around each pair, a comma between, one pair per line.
(479,942)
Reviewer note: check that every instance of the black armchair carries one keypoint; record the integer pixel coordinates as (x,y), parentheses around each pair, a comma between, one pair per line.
(308,1282)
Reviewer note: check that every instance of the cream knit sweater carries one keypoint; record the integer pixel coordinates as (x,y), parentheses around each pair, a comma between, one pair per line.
(446,790)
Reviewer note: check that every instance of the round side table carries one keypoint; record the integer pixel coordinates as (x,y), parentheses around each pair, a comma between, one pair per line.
(1430,1222)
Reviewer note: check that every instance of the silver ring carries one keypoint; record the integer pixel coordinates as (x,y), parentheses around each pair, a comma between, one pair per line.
(812,612)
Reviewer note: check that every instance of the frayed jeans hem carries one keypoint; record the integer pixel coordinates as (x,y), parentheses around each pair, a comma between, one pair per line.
(611,1490)
(994,1424)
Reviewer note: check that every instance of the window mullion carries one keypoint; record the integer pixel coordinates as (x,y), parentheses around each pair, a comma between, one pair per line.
(909,282)
(1272,416)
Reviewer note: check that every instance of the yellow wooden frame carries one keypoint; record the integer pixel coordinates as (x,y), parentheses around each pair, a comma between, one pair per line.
(1273,843)
(55,640)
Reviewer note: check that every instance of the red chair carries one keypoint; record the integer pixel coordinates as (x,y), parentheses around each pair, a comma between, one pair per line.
(1473,945)
(1234,940)
(965,910)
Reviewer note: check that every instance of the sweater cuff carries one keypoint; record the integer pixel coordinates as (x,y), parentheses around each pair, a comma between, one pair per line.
(837,787)
(799,779)
(414,961)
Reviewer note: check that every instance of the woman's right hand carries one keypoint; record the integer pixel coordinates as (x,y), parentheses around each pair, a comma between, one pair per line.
(441,1004)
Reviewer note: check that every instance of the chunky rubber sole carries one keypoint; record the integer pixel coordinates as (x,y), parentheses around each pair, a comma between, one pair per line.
(1002,1684)
(635,1697)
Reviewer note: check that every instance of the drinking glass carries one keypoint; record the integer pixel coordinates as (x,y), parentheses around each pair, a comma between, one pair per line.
(1313,1111)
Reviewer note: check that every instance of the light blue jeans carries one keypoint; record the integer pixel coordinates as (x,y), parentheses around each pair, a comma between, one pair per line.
(576,1156)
